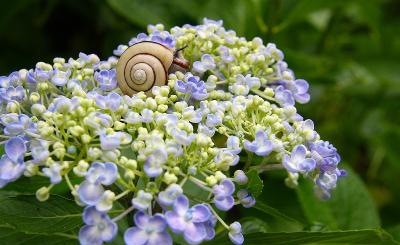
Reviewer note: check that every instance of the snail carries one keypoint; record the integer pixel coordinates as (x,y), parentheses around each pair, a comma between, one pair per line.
(147,64)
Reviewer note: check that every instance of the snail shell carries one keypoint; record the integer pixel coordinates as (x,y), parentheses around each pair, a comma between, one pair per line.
(143,66)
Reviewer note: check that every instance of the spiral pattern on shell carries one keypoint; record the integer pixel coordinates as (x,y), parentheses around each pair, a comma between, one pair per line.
(143,66)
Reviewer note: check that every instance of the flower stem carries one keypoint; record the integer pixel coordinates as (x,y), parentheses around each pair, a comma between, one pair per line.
(123,214)
(218,218)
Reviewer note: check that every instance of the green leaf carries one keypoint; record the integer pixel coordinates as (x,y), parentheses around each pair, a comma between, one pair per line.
(265,208)
(377,236)
(9,236)
(26,214)
(395,231)
(142,13)
(253,225)
(255,184)
(350,207)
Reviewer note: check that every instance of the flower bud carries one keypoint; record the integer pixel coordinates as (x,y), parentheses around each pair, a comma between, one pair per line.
(86,138)
(170,178)
(13,107)
(81,168)
(42,194)
(211,180)
(240,177)
(34,97)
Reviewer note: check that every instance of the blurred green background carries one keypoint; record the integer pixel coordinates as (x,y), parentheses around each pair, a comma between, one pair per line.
(348,50)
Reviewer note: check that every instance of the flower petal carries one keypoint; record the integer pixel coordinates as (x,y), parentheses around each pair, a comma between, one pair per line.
(90,193)
(201,213)
(15,149)
(135,236)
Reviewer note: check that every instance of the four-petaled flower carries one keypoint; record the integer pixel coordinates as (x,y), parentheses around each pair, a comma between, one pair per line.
(149,230)
(91,190)
(193,87)
(107,79)
(297,162)
(223,198)
(98,229)
(261,146)
(191,222)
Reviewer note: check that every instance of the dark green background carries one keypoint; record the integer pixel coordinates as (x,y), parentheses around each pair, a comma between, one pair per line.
(348,50)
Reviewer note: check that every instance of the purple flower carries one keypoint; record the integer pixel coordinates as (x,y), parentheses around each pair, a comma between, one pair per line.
(112,141)
(283,96)
(9,170)
(154,162)
(233,145)
(246,199)
(149,230)
(207,63)
(223,198)
(161,37)
(15,149)
(53,172)
(168,196)
(325,154)
(297,161)
(299,89)
(181,136)
(99,227)
(60,78)
(261,146)
(235,233)
(107,79)
(13,93)
(38,75)
(16,124)
(91,190)
(225,56)
(111,101)
(4,82)
(213,120)
(191,222)
(192,87)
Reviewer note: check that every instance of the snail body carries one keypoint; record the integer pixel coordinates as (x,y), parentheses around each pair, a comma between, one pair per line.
(144,65)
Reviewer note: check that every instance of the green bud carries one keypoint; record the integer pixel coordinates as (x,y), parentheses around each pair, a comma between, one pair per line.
(76,131)
(13,107)
(42,194)
(170,178)
(86,138)
(119,125)
(34,97)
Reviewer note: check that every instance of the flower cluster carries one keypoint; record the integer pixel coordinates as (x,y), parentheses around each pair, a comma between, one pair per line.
(180,157)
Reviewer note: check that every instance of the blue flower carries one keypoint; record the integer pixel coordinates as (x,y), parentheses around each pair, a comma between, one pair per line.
(191,222)
(284,96)
(107,79)
(147,116)
(213,120)
(9,170)
(261,146)
(168,196)
(98,229)
(39,150)
(207,63)
(61,104)
(111,101)
(181,136)
(13,93)
(16,124)
(91,190)
(38,75)
(233,145)
(297,161)
(161,37)
(223,198)
(4,82)
(112,141)
(53,172)
(225,55)
(299,89)
(246,199)
(142,201)
(325,154)
(149,230)
(326,181)
(15,149)
(155,161)
(235,233)
(193,87)
(60,78)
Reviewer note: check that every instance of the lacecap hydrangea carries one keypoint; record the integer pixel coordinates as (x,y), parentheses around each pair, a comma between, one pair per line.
(181,155)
